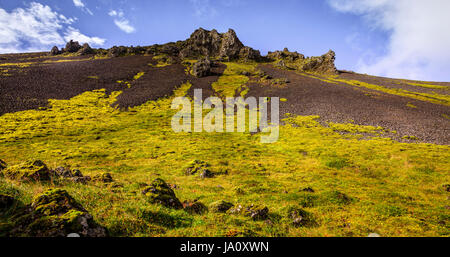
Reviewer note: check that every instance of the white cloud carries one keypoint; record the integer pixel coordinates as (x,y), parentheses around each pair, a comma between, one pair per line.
(36,28)
(121,22)
(419,36)
(74,34)
(82,6)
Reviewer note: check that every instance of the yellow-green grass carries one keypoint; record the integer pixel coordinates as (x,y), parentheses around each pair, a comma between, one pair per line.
(427,97)
(394,189)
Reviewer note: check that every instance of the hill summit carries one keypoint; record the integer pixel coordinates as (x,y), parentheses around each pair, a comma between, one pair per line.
(212,44)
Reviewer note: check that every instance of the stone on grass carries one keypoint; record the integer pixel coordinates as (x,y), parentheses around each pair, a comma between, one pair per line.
(28,171)
(220,206)
(160,193)
(55,213)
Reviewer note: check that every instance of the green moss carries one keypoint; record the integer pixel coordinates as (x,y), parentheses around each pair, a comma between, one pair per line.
(160,193)
(30,171)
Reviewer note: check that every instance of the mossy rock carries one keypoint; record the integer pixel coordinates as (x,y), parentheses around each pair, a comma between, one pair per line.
(256,212)
(161,193)
(299,217)
(55,213)
(194,207)
(29,171)
(198,167)
(103,177)
(220,206)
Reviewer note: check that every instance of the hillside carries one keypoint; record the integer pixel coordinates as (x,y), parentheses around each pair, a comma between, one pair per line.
(357,154)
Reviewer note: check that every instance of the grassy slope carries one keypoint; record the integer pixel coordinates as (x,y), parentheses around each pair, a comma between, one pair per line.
(394,189)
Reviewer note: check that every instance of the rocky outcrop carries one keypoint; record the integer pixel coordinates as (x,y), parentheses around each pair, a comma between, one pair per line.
(293,60)
(55,51)
(225,46)
(72,47)
(161,193)
(86,49)
(202,68)
(55,213)
(285,55)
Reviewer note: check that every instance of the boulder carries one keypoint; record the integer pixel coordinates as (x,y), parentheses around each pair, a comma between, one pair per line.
(86,49)
(161,193)
(202,68)
(299,217)
(55,51)
(117,51)
(194,207)
(30,170)
(55,213)
(220,206)
(196,167)
(257,212)
(103,177)
(72,47)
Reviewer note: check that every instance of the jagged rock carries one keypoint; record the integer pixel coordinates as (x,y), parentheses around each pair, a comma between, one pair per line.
(86,49)
(63,172)
(170,49)
(220,206)
(55,51)
(55,213)
(6,202)
(248,53)
(201,68)
(117,51)
(103,177)
(293,60)
(72,175)
(3,165)
(72,47)
(213,44)
(256,212)
(135,50)
(194,207)
(286,55)
(159,192)
(30,170)
(308,189)
(299,217)
(195,167)
(322,64)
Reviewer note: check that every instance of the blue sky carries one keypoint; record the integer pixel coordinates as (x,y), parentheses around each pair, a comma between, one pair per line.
(363,33)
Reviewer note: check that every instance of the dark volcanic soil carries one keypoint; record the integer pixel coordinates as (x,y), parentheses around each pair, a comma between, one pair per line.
(342,103)
(30,87)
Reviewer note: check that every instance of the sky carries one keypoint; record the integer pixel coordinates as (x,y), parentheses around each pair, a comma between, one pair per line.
(393,38)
